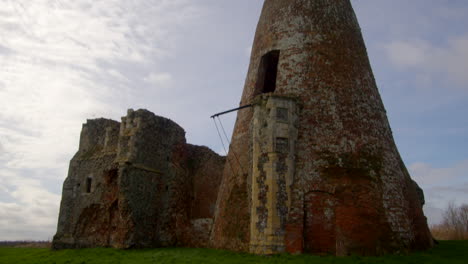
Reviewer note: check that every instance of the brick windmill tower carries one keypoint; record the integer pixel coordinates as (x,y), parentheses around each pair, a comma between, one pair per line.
(313,166)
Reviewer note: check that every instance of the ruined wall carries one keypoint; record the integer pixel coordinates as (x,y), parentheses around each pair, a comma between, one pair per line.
(151,179)
(312,167)
(351,192)
(90,190)
(148,188)
(206,167)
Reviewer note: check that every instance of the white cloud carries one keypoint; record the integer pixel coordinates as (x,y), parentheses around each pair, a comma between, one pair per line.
(160,80)
(440,186)
(426,174)
(33,212)
(406,54)
(434,215)
(451,13)
(2,151)
(62,62)
(451,60)
(248,51)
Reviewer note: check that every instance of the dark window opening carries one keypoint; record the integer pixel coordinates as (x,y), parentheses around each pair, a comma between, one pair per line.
(282,145)
(282,114)
(89,181)
(267,73)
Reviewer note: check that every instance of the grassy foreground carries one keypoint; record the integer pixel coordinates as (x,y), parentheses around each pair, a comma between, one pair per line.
(445,252)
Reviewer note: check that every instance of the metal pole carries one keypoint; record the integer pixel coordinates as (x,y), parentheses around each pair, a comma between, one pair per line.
(232,110)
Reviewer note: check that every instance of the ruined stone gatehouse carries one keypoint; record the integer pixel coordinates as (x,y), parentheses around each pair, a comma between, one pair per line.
(138,184)
(312,166)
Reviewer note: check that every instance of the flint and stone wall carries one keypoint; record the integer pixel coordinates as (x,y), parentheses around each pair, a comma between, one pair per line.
(138,184)
(274,139)
(312,166)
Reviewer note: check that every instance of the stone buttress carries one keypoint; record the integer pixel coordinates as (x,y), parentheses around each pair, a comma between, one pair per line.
(274,138)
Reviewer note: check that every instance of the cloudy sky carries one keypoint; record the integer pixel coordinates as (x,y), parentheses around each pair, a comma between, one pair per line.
(63,61)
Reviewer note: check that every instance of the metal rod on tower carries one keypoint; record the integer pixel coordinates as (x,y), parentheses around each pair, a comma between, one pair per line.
(232,110)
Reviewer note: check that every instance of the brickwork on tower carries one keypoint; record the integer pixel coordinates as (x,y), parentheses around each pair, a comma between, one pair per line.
(312,166)
(350,192)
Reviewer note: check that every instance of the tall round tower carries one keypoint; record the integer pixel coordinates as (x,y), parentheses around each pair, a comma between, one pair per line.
(313,166)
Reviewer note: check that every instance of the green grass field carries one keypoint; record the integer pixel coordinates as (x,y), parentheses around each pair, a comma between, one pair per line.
(445,252)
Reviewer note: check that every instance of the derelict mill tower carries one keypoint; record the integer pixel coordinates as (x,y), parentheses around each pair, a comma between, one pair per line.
(313,166)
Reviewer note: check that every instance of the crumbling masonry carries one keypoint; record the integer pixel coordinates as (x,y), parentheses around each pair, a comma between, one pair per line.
(312,168)
(138,184)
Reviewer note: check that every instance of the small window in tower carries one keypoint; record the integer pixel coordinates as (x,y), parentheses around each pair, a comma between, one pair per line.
(282,114)
(282,145)
(267,72)
(89,182)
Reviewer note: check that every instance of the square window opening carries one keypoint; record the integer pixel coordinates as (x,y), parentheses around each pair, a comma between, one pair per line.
(267,73)
(282,145)
(282,114)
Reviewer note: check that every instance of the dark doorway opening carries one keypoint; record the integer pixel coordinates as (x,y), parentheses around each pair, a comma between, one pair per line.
(267,73)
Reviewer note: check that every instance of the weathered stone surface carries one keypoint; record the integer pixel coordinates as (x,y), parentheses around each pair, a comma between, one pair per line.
(89,191)
(313,166)
(205,168)
(350,192)
(274,139)
(138,184)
